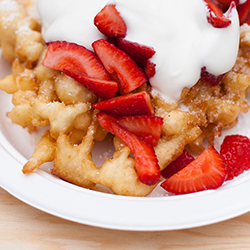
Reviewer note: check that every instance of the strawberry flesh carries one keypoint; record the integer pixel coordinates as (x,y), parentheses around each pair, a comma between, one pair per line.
(179,163)
(103,88)
(235,150)
(207,171)
(122,67)
(73,57)
(146,162)
(110,23)
(148,127)
(138,52)
(133,104)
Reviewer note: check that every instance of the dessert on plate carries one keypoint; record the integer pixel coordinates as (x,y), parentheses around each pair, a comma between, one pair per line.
(162,86)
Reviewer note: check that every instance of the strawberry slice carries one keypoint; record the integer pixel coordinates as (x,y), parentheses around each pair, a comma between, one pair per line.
(149,69)
(207,171)
(244,12)
(110,23)
(121,66)
(103,88)
(146,162)
(138,52)
(224,4)
(179,163)
(215,15)
(210,78)
(73,57)
(148,127)
(134,104)
(235,150)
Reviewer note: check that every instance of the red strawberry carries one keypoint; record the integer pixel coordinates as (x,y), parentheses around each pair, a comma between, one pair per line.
(235,150)
(121,67)
(224,4)
(179,163)
(148,127)
(210,78)
(110,23)
(103,88)
(73,57)
(146,162)
(138,52)
(215,15)
(207,171)
(134,104)
(244,12)
(149,69)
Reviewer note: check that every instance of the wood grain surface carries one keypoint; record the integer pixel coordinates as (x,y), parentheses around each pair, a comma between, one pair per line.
(23,227)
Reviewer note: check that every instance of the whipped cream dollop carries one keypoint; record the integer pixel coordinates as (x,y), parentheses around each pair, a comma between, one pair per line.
(178,30)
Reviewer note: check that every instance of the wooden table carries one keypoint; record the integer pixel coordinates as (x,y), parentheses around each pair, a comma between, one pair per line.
(23,227)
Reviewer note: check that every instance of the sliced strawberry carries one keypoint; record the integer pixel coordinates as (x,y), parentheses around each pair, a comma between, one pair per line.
(146,162)
(121,66)
(215,15)
(244,12)
(224,4)
(210,78)
(235,150)
(148,127)
(149,69)
(110,23)
(207,171)
(134,104)
(179,163)
(73,57)
(138,52)
(103,88)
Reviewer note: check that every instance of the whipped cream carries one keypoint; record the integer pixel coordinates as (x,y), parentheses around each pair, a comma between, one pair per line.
(178,30)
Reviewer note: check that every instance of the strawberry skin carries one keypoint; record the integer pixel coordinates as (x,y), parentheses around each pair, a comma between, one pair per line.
(146,162)
(210,78)
(235,150)
(207,171)
(179,163)
(148,127)
(73,57)
(138,52)
(149,69)
(110,23)
(103,88)
(121,66)
(133,104)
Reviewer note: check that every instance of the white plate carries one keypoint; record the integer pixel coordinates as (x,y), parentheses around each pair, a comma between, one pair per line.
(157,212)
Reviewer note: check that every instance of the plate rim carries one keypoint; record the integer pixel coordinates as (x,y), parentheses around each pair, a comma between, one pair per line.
(113,216)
